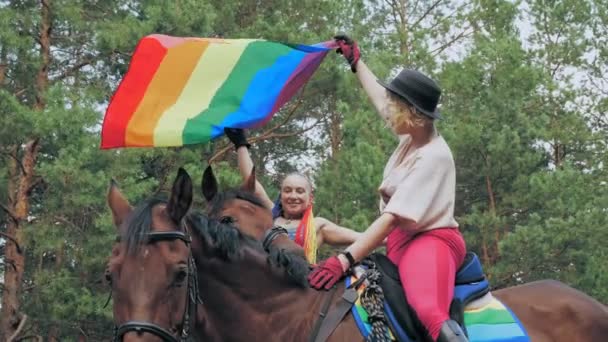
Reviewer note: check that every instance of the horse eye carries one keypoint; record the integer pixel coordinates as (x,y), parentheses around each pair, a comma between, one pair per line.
(227,220)
(180,276)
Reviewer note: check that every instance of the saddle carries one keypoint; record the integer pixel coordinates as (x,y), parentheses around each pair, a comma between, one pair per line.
(470,284)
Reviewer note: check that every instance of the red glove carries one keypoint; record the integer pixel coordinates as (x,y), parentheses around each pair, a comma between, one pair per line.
(327,274)
(349,49)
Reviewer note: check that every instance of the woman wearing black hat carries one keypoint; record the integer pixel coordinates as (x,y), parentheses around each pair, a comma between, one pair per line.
(417,200)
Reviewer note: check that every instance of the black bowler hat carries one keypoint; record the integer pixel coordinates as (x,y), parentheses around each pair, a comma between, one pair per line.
(417,89)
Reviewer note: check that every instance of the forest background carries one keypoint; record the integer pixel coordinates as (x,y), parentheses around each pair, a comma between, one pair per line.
(525,102)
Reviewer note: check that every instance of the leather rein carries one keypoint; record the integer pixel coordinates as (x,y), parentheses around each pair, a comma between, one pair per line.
(328,320)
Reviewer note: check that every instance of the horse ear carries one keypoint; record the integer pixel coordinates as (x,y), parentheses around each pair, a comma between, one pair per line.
(209,184)
(181,196)
(249,184)
(118,204)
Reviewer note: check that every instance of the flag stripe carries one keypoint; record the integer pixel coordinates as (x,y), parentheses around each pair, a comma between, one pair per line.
(165,88)
(261,96)
(257,55)
(494,304)
(199,91)
(148,55)
(489,332)
(489,316)
(296,80)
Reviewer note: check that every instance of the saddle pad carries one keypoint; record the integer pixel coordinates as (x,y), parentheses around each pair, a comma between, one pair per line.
(493,322)
(359,312)
(486,320)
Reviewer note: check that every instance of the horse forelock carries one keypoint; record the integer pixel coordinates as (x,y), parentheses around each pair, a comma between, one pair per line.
(139,224)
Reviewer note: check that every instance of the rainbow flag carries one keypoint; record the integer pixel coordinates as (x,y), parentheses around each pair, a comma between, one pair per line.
(181,91)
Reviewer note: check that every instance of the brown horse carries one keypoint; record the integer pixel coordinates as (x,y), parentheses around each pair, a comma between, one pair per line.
(245,211)
(247,296)
(151,270)
(270,308)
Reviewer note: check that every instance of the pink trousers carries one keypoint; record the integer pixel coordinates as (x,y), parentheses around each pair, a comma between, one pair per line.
(427,263)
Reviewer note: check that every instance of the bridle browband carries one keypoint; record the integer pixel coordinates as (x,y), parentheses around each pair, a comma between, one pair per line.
(192,296)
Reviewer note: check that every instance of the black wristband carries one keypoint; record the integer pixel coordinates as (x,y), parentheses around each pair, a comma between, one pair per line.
(246,144)
(350,258)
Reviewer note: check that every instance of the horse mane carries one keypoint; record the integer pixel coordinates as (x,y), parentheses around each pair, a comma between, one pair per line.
(296,266)
(228,243)
(139,224)
(226,240)
(218,201)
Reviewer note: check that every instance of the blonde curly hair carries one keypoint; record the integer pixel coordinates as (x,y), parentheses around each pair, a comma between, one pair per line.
(405,115)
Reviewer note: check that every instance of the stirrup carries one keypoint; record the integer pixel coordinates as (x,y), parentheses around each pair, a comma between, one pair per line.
(451,332)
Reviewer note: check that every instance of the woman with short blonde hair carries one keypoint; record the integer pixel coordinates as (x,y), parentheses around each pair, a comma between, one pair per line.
(417,200)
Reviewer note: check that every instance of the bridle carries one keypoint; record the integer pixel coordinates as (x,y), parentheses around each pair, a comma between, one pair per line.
(271,235)
(192,296)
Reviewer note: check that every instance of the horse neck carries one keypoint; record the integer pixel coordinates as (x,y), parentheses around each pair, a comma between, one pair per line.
(247,296)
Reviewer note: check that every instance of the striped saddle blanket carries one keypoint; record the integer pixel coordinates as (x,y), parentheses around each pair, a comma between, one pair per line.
(483,317)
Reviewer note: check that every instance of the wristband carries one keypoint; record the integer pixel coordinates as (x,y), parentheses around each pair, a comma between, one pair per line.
(349,257)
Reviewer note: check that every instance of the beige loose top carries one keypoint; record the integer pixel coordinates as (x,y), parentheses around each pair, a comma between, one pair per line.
(420,185)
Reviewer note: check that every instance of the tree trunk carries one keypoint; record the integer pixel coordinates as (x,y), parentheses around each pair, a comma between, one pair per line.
(485,255)
(82,337)
(53,335)
(558,154)
(404,29)
(335,133)
(42,79)
(492,210)
(20,183)
(21,180)
(3,65)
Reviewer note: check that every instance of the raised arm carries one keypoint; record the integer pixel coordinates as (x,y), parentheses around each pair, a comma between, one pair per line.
(376,93)
(245,164)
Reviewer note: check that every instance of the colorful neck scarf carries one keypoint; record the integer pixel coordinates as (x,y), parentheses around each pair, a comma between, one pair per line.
(306,233)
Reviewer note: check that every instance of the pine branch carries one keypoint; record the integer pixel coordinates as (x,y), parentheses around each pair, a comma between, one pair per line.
(27,337)
(13,240)
(71,71)
(11,262)
(35,183)
(16,160)
(461,35)
(19,328)
(65,220)
(449,16)
(19,92)
(440,49)
(426,13)
(9,212)
(264,136)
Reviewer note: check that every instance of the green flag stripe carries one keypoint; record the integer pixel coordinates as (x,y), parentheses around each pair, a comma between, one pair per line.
(256,56)
(488,316)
